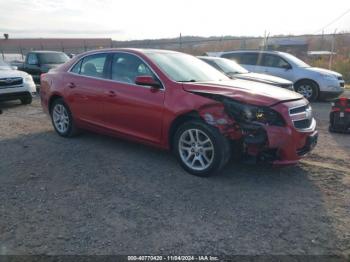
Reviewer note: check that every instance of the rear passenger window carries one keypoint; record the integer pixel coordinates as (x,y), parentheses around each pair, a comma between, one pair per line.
(235,57)
(94,65)
(249,59)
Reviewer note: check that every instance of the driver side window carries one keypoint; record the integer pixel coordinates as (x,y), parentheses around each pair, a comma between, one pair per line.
(274,61)
(126,67)
(32,59)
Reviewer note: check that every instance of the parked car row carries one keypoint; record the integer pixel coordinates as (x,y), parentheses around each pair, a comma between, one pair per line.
(233,70)
(180,103)
(203,109)
(312,82)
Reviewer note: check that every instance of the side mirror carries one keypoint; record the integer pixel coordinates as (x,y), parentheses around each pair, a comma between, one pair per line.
(287,66)
(147,81)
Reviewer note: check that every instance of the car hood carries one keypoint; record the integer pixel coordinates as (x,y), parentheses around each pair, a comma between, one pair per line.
(244,91)
(267,79)
(323,71)
(12,73)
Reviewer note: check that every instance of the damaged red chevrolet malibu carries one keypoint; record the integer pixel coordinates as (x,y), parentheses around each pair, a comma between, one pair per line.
(175,101)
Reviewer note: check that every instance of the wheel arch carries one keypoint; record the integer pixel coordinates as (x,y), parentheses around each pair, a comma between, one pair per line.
(178,121)
(310,80)
(52,99)
(307,79)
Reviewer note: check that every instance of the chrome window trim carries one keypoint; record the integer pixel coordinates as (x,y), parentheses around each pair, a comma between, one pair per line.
(112,80)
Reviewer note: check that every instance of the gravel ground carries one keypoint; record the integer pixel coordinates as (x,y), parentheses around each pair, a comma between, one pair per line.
(100,195)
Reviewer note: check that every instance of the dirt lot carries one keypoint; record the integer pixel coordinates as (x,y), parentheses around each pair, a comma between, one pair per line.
(101,195)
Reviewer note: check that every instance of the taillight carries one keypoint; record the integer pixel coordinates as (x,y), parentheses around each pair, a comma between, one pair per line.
(41,77)
(343,101)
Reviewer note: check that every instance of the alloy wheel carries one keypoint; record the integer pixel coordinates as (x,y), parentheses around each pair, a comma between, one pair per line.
(305,90)
(60,118)
(196,149)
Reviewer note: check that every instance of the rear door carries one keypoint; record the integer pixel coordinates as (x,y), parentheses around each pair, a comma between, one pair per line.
(86,86)
(249,60)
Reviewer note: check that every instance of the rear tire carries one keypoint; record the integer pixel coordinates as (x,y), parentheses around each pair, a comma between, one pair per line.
(62,119)
(26,101)
(308,89)
(200,148)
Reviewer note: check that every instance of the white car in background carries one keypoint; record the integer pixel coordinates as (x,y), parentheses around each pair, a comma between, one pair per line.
(312,82)
(235,71)
(15,85)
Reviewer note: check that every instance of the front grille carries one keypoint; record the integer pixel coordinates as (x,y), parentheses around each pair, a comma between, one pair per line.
(298,110)
(301,116)
(10,82)
(302,124)
(342,84)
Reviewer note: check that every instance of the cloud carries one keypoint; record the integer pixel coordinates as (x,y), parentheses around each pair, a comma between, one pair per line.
(137,19)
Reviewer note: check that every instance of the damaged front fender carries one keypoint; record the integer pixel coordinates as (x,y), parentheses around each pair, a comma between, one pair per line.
(215,115)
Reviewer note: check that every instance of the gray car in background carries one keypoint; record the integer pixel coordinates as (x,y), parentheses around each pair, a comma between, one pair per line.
(312,82)
(234,70)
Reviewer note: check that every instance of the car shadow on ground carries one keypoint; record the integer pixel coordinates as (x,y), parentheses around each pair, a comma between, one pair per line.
(7,105)
(101,195)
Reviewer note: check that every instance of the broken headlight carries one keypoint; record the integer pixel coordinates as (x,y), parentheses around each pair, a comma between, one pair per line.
(250,113)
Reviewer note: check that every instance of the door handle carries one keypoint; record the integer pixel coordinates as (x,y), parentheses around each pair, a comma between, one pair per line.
(71,85)
(111,93)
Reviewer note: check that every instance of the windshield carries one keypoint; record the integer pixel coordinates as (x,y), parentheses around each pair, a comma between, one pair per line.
(185,68)
(295,60)
(229,66)
(4,65)
(53,58)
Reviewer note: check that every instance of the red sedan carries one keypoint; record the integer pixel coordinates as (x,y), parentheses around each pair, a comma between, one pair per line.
(176,101)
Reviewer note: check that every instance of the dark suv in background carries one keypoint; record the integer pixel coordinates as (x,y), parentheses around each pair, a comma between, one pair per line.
(38,62)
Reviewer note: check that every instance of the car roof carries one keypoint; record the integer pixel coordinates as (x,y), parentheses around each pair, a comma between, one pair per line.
(45,52)
(210,57)
(253,51)
(133,50)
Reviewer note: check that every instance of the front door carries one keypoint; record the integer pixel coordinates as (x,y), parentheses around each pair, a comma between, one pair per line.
(276,66)
(133,109)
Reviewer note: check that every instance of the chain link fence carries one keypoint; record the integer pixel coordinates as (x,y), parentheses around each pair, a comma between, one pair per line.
(333,49)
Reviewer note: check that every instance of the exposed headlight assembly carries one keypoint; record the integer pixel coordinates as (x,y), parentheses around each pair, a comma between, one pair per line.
(250,113)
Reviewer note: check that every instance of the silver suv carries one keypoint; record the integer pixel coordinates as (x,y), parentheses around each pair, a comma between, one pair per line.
(312,82)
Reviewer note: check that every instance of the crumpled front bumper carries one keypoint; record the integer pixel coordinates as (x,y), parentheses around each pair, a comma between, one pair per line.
(280,145)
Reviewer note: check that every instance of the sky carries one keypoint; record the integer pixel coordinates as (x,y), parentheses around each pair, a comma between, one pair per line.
(153,19)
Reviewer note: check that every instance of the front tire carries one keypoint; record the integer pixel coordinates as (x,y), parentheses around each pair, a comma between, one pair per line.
(200,148)
(26,101)
(62,119)
(308,89)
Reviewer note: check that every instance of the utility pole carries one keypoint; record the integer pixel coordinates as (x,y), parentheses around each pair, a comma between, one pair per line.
(332,50)
(180,41)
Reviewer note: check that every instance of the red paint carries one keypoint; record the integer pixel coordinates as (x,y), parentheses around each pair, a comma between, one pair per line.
(146,114)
